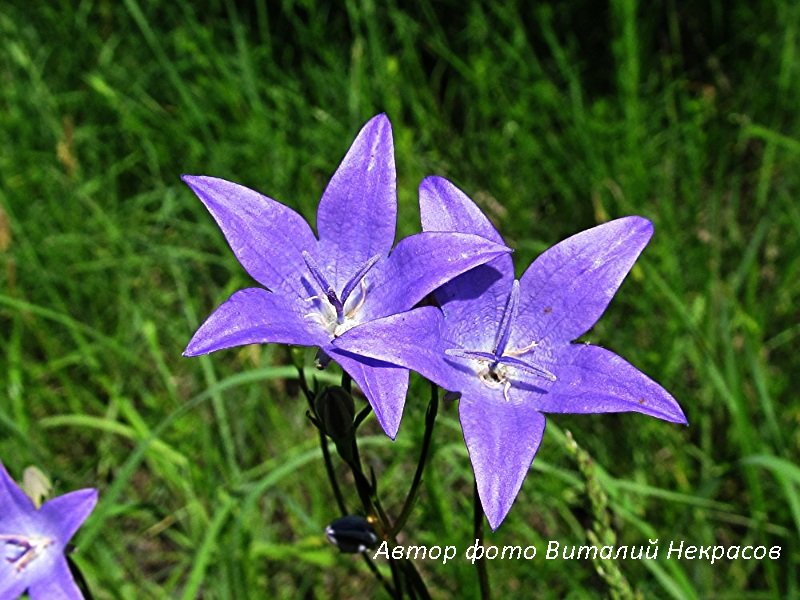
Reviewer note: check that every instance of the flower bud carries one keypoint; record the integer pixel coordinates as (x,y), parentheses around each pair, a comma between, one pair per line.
(351,534)
(322,359)
(336,410)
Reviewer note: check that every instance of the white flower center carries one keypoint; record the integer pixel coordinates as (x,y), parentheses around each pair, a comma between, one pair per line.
(325,314)
(22,550)
(337,312)
(497,365)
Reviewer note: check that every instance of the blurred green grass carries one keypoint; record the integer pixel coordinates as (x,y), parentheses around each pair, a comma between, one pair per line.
(554,117)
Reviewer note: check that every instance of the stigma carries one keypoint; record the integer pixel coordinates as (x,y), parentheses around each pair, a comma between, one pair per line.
(496,368)
(335,312)
(22,550)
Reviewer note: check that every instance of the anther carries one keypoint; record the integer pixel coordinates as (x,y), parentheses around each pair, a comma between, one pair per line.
(521,351)
(361,300)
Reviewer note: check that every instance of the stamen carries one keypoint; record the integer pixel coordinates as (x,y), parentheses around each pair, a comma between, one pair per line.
(506,388)
(494,376)
(509,316)
(521,351)
(340,324)
(315,317)
(361,300)
(358,277)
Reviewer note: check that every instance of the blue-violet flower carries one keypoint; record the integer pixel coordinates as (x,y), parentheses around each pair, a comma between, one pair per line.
(32,541)
(505,344)
(318,289)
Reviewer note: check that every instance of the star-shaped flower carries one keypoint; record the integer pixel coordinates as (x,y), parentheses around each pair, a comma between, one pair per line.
(505,345)
(32,541)
(318,289)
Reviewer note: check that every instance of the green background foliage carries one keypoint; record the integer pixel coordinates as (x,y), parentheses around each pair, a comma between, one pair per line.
(553,117)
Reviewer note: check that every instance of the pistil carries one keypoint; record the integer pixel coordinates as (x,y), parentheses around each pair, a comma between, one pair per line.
(501,359)
(329,292)
(26,549)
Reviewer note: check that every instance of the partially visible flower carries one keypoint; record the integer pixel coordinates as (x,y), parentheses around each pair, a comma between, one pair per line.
(505,344)
(320,289)
(33,541)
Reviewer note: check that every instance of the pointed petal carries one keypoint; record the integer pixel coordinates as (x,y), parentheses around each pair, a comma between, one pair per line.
(384,385)
(266,236)
(473,302)
(15,506)
(502,438)
(65,514)
(256,316)
(410,339)
(57,585)
(592,379)
(444,207)
(566,290)
(358,211)
(420,264)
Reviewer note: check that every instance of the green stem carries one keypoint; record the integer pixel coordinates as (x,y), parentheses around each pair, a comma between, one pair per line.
(430,419)
(337,492)
(323,444)
(363,486)
(483,575)
(398,581)
(415,581)
(362,414)
(401,569)
(326,456)
(347,382)
(386,585)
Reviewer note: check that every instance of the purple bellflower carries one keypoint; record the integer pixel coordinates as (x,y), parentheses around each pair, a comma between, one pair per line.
(32,541)
(318,289)
(505,344)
